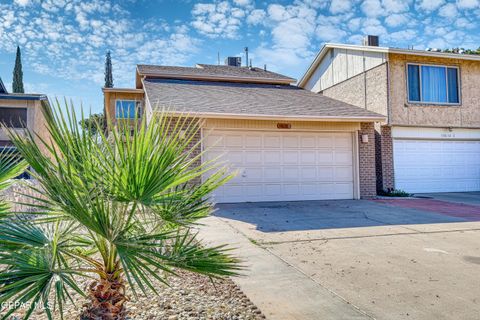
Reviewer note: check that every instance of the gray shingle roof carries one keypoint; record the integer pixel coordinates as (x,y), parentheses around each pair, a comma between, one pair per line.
(206,97)
(207,70)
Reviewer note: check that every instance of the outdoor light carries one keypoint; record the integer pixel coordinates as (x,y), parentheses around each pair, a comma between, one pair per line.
(364,138)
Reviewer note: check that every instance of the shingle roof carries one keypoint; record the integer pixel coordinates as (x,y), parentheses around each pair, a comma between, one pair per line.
(211,71)
(2,87)
(262,100)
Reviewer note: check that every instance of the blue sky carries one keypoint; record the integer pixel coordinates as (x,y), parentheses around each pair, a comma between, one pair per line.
(64,41)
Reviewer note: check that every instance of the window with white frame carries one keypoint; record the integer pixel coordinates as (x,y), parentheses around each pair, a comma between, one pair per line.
(126,109)
(433,84)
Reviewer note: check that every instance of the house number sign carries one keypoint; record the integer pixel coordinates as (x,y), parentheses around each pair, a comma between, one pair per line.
(284,126)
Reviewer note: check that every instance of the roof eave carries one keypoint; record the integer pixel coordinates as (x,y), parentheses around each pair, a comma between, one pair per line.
(125,90)
(279,117)
(9,96)
(217,78)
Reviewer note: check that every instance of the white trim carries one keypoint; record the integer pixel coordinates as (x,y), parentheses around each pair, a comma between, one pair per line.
(424,133)
(356,166)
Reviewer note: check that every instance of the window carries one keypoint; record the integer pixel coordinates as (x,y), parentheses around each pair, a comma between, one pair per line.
(433,84)
(13,117)
(125,109)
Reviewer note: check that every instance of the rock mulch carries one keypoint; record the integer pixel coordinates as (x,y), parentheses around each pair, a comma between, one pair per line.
(188,297)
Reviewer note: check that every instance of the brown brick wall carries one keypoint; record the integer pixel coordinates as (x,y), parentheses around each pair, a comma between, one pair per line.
(387,158)
(366,156)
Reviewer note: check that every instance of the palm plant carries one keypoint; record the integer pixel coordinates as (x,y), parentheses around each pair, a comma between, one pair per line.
(118,209)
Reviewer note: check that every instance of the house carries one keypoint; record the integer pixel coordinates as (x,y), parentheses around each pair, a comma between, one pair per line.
(431,140)
(286,142)
(20,111)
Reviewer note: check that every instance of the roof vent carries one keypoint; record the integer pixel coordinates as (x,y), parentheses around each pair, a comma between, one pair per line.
(371,41)
(233,61)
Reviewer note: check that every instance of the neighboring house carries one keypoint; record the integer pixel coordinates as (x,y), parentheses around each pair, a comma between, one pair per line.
(20,111)
(431,141)
(287,143)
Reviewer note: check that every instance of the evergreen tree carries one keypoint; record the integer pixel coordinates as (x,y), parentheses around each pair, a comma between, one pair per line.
(108,71)
(17,85)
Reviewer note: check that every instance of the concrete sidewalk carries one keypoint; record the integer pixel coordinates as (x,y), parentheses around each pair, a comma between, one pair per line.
(280,290)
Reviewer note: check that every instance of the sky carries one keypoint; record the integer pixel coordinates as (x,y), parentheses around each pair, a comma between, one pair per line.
(64,42)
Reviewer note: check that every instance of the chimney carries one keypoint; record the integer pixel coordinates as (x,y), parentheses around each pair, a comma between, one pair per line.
(246,55)
(233,61)
(371,41)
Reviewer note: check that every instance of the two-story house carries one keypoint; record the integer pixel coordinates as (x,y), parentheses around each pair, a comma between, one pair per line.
(431,140)
(287,143)
(20,111)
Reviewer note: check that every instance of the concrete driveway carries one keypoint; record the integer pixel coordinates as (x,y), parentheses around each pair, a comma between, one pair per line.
(379,259)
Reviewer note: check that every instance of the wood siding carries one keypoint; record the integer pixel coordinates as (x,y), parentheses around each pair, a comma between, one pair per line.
(339,65)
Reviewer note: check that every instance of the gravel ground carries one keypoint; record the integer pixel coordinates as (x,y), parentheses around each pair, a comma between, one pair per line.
(188,297)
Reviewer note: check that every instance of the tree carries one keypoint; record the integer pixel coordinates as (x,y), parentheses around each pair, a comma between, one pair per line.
(93,122)
(108,71)
(17,85)
(118,208)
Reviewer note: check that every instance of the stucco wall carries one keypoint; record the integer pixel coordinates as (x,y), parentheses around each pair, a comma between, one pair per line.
(367,90)
(35,118)
(466,115)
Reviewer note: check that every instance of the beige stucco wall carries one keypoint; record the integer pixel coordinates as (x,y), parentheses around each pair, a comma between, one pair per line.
(466,115)
(35,118)
(367,90)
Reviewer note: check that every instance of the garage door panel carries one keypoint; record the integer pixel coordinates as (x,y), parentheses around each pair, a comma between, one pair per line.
(272,157)
(437,165)
(343,157)
(272,141)
(326,173)
(253,141)
(291,174)
(343,174)
(290,157)
(325,157)
(285,166)
(253,157)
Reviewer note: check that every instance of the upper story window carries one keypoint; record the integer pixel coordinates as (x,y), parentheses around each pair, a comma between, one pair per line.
(13,117)
(126,109)
(433,84)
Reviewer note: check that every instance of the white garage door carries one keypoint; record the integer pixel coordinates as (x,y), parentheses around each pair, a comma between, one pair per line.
(284,166)
(437,165)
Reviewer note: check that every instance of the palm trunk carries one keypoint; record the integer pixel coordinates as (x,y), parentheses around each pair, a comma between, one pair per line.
(107,300)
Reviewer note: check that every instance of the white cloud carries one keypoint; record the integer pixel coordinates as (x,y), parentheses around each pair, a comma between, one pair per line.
(22,3)
(243,3)
(396,5)
(430,5)
(219,19)
(255,17)
(374,27)
(330,33)
(448,11)
(372,8)
(338,6)
(468,4)
(396,20)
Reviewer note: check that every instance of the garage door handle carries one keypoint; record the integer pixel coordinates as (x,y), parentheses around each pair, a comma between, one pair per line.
(244,174)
